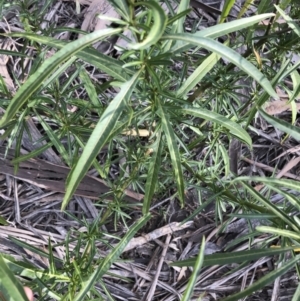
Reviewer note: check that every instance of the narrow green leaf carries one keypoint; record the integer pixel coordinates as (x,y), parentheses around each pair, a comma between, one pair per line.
(14,53)
(197,75)
(234,128)
(31,248)
(54,139)
(223,29)
(291,23)
(232,257)
(296,296)
(10,287)
(294,200)
(52,266)
(226,9)
(157,28)
(36,80)
(105,63)
(174,154)
(229,54)
(90,89)
(278,232)
(152,175)
(271,182)
(178,25)
(56,74)
(32,154)
(111,258)
(193,278)
(122,8)
(99,137)
(262,282)
(26,270)
(263,97)
(3,221)
(282,125)
(244,8)
(279,213)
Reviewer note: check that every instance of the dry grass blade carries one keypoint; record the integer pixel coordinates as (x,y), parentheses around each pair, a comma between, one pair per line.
(51,176)
(168,229)
(158,270)
(291,164)
(271,169)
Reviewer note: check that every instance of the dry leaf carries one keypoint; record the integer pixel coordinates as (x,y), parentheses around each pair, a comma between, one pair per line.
(5,45)
(278,106)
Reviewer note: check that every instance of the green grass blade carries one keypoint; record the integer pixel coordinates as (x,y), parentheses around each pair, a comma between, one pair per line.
(226,9)
(174,154)
(234,128)
(52,266)
(157,28)
(99,137)
(152,175)
(198,74)
(244,8)
(10,287)
(193,278)
(105,63)
(111,258)
(36,80)
(229,54)
(291,23)
(278,232)
(282,125)
(232,257)
(262,282)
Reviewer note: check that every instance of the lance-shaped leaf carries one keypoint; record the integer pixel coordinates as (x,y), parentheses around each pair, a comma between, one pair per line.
(105,63)
(36,80)
(229,54)
(153,172)
(99,137)
(291,23)
(226,9)
(174,154)
(282,125)
(198,74)
(157,28)
(234,128)
(223,29)
(11,289)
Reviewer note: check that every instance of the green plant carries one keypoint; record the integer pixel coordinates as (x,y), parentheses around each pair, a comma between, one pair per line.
(181,109)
